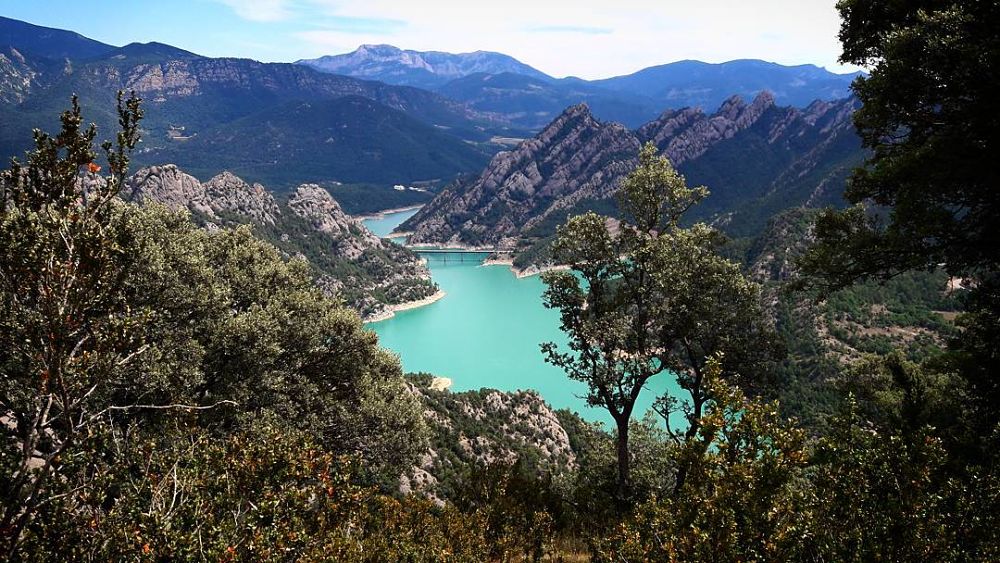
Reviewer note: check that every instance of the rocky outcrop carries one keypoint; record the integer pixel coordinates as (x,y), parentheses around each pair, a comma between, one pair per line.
(228,192)
(755,157)
(575,157)
(17,76)
(317,206)
(380,274)
(690,134)
(225,194)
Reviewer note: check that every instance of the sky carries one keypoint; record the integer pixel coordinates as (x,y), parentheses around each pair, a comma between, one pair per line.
(585,38)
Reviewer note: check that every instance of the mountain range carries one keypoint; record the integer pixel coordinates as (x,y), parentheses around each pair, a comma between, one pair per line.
(780,137)
(424,69)
(757,158)
(191,102)
(528,98)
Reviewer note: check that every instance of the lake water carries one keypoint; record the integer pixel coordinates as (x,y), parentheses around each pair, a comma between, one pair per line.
(486,333)
(384,225)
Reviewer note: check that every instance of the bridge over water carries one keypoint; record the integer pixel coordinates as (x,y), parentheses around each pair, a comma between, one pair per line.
(458,254)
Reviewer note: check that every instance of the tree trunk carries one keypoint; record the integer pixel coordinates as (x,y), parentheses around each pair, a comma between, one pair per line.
(624,463)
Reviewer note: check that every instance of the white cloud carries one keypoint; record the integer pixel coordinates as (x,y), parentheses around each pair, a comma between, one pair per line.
(587,38)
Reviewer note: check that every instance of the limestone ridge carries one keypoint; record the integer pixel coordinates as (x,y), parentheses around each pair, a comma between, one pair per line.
(687,134)
(575,156)
(224,194)
(17,77)
(350,261)
(756,157)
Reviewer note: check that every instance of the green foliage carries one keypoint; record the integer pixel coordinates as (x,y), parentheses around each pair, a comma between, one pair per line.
(67,332)
(362,199)
(739,500)
(261,494)
(883,494)
(926,197)
(348,139)
(869,490)
(929,115)
(654,298)
(116,316)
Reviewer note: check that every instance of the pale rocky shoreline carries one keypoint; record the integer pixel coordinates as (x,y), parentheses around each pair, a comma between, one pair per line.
(384,212)
(522,272)
(391,310)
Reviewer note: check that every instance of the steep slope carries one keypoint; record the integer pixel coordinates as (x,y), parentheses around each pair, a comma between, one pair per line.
(48,42)
(912,312)
(762,158)
(576,157)
(187,96)
(477,428)
(425,69)
(367,272)
(350,139)
(17,76)
(757,159)
(706,85)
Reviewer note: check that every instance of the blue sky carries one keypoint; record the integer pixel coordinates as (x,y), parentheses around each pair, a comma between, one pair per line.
(586,38)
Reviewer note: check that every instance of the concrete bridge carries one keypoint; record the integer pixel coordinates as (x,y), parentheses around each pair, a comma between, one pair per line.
(459,254)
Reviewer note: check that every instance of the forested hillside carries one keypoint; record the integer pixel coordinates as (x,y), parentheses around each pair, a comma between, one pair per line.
(199,110)
(185,375)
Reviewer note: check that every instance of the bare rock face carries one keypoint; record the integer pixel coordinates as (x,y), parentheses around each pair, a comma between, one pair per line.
(488,426)
(575,156)
(224,194)
(690,135)
(171,79)
(170,186)
(17,77)
(229,193)
(316,205)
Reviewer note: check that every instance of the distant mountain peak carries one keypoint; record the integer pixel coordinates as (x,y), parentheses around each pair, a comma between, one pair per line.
(426,69)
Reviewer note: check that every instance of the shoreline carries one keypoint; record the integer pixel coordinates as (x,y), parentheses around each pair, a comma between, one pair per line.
(499,262)
(535,270)
(391,310)
(451,246)
(384,212)
(521,273)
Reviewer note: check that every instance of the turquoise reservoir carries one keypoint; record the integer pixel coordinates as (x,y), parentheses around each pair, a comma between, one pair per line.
(486,332)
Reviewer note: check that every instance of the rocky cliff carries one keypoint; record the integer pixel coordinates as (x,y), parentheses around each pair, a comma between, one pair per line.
(756,158)
(575,157)
(17,77)
(367,272)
